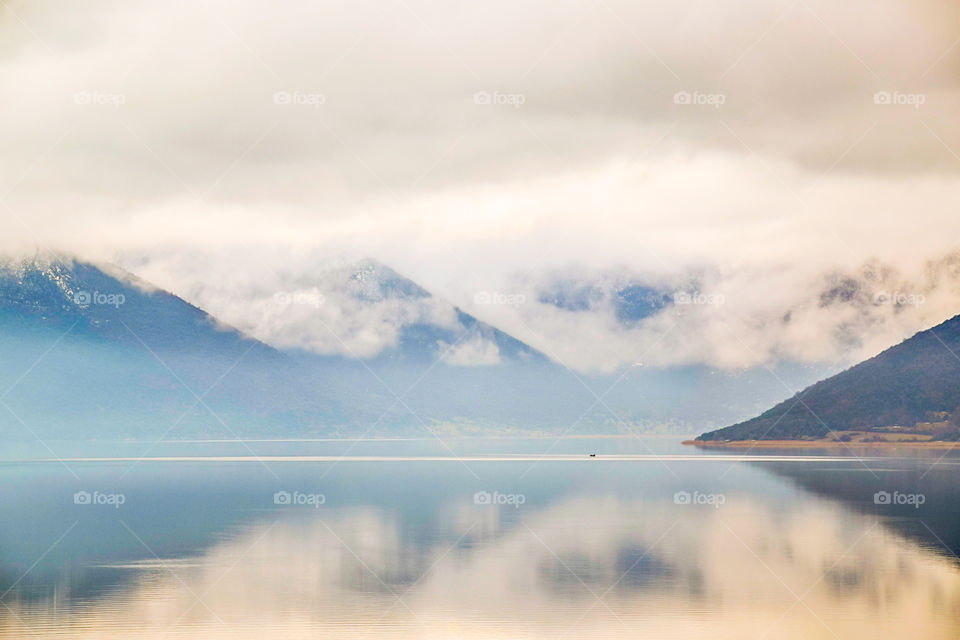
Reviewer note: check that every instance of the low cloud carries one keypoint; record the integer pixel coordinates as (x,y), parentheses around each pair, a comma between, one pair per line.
(472,352)
(225,151)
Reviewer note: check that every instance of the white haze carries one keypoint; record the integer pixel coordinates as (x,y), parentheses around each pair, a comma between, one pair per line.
(147,133)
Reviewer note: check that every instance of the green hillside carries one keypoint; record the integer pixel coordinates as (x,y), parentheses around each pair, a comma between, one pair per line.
(913,382)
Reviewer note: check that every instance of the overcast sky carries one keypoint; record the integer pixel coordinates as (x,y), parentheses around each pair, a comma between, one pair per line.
(491,146)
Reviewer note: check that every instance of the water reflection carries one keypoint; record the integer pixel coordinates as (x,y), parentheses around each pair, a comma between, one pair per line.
(581,566)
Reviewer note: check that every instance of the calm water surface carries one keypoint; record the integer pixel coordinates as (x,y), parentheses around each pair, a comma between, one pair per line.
(476,539)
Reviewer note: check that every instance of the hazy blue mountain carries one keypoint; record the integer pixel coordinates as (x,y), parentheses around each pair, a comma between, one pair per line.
(524,389)
(92,353)
(631,301)
(372,281)
(904,385)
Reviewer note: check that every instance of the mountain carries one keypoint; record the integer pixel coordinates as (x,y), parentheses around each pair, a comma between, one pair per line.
(631,298)
(451,368)
(913,382)
(424,337)
(94,352)
(631,301)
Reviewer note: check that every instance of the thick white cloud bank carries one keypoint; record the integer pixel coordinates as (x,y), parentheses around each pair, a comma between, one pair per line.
(227,151)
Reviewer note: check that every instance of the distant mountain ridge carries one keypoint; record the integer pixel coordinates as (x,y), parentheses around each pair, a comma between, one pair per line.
(372,281)
(89,352)
(902,386)
(93,352)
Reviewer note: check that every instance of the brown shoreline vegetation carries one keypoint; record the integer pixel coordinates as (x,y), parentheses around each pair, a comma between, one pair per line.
(819,444)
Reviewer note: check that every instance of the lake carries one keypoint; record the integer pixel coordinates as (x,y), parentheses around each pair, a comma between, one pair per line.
(476,538)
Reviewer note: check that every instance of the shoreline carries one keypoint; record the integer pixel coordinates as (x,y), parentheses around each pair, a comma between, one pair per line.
(816,444)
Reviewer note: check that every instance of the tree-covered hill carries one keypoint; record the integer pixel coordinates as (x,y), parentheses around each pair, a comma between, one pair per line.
(904,385)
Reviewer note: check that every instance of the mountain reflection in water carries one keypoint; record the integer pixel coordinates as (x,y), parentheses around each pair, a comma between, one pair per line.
(599,551)
(580,568)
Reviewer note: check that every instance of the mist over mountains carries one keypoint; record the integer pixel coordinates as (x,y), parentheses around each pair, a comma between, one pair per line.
(593,319)
(356,348)
(801,218)
(95,352)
